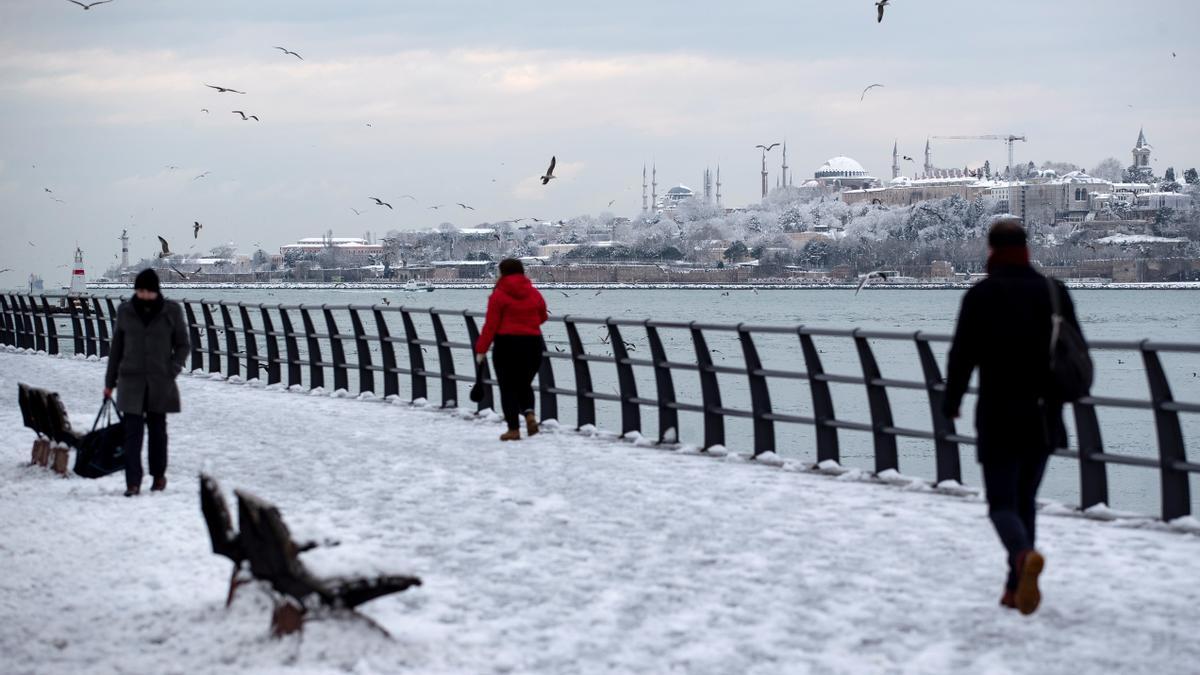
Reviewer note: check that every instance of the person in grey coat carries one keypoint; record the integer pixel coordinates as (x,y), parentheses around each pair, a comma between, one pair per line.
(149,349)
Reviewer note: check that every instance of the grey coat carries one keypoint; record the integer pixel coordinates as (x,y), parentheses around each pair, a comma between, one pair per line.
(146,358)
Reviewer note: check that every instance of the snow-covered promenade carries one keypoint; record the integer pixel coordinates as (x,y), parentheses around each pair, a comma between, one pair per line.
(562,554)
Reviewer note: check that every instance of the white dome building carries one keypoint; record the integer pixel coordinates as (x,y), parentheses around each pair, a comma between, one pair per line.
(844,173)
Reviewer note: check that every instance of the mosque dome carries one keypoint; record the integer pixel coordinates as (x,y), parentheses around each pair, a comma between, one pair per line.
(681,190)
(841,167)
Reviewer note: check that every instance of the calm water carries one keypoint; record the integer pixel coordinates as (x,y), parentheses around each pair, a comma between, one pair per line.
(1105,314)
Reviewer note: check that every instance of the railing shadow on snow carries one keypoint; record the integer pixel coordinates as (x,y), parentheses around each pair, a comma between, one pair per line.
(221,345)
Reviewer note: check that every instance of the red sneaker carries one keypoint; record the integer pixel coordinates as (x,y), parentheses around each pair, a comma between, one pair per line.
(1029,565)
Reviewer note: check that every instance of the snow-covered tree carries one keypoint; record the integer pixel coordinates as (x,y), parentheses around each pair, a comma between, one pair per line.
(1109,169)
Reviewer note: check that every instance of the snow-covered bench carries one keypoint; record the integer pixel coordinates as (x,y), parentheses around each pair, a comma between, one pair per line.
(43,412)
(274,557)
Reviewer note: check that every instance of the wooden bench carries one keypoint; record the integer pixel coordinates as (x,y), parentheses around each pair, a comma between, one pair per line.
(266,544)
(43,412)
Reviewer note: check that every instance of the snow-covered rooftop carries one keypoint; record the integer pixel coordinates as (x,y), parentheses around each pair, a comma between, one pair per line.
(841,166)
(1139,239)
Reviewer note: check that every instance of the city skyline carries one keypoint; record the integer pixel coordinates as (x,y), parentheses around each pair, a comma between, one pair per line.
(390,101)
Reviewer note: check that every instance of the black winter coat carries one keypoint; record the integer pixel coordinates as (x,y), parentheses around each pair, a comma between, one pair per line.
(146,357)
(1004,330)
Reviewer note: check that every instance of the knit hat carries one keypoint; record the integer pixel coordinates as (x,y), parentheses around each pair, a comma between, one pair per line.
(147,279)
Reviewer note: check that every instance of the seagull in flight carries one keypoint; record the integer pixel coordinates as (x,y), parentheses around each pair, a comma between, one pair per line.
(864,91)
(867,277)
(465,207)
(90,4)
(380,202)
(196,226)
(356,211)
(244,116)
(408,197)
(182,275)
(385,301)
(908,159)
(204,110)
(436,207)
(285,51)
(166,248)
(202,175)
(880,5)
(222,90)
(549,176)
(611,202)
(766,148)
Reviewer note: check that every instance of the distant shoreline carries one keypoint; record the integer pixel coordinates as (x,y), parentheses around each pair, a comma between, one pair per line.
(769,286)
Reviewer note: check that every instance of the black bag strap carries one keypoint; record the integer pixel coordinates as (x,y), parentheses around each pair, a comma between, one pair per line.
(107,407)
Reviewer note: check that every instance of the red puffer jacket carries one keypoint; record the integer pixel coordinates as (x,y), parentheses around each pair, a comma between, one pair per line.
(514,308)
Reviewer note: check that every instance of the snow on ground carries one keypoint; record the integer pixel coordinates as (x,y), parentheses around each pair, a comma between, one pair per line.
(562,554)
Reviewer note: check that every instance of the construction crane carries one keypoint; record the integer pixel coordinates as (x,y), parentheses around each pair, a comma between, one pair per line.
(1009,138)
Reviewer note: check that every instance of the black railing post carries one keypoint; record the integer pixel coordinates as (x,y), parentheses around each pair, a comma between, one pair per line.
(945,450)
(886,454)
(6,332)
(272,341)
(30,311)
(484,373)
(416,359)
(366,376)
(210,339)
(710,391)
(251,343)
(1176,496)
(193,337)
(664,389)
(76,327)
(585,405)
(21,319)
(391,380)
(101,327)
(548,399)
(1093,477)
(39,330)
(341,381)
(233,362)
(449,386)
(760,395)
(293,349)
(89,330)
(631,412)
(51,328)
(822,400)
(316,372)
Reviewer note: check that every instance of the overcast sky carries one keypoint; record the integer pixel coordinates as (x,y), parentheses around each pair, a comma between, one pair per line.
(467,101)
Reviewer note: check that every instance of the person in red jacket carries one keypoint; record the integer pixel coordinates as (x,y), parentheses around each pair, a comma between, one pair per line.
(515,314)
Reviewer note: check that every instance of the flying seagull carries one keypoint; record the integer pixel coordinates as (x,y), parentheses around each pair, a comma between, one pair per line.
(202,175)
(222,90)
(385,301)
(766,148)
(184,276)
(204,110)
(171,167)
(166,248)
(48,190)
(864,91)
(468,208)
(880,5)
(408,197)
(909,159)
(380,202)
(285,51)
(550,172)
(6,269)
(436,207)
(356,211)
(196,226)
(611,202)
(244,116)
(90,4)
(867,277)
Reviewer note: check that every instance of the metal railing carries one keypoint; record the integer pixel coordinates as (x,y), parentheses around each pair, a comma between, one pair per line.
(221,345)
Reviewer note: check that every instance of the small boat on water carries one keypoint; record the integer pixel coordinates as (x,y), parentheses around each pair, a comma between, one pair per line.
(414,286)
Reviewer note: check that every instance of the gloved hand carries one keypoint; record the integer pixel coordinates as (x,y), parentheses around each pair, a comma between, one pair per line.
(478,359)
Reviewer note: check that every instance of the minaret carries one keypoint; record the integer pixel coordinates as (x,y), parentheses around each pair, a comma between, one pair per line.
(896,159)
(644,188)
(654,186)
(707,186)
(783,179)
(124,249)
(928,159)
(764,174)
(718,185)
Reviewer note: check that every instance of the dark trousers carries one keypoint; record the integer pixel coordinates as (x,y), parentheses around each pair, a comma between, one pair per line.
(516,359)
(135,426)
(1012,485)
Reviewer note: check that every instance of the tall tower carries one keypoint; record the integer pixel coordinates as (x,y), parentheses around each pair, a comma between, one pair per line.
(764,174)
(644,188)
(896,159)
(718,185)
(707,186)
(1141,153)
(124,249)
(78,281)
(784,178)
(654,186)
(928,159)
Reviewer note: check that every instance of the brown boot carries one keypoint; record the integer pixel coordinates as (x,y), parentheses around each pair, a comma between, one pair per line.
(133,490)
(511,435)
(160,484)
(531,423)
(1009,599)
(1029,566)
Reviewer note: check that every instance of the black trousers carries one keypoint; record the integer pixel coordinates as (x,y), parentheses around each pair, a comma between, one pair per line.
(1012,484)
(135,426)
(516,359)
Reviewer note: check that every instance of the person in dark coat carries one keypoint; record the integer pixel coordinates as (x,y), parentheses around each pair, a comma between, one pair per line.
(1004,329)
(515,314)
(149,350)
